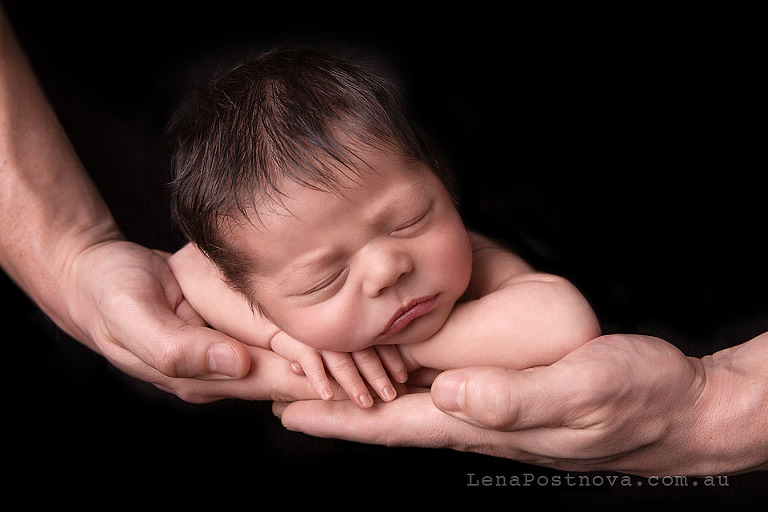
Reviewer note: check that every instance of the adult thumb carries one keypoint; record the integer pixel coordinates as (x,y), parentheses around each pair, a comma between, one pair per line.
(183,350)
(500,399)
(207,353)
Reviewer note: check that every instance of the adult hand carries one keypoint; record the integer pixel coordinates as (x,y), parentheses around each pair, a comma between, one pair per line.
(625,403)
(127,305)
(60,244)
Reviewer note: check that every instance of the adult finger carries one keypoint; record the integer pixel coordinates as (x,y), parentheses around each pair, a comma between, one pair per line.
(269,378)
(506,400)
(178,349)
(410,420)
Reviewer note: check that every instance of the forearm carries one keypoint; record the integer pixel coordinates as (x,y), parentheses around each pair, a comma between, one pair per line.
(533,321)
(730,427)
(220,306)
(50,211)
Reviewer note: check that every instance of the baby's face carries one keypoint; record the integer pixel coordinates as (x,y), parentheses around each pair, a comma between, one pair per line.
(383,262)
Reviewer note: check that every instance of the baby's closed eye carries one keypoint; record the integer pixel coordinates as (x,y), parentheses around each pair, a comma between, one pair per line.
(328,284)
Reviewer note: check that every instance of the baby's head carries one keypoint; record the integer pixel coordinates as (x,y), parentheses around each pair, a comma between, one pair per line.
(300,177)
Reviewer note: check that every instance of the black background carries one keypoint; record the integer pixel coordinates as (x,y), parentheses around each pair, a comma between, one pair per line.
(623,150)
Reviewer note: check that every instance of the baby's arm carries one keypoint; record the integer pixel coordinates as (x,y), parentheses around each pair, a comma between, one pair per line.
(225,310)
(512,317)
(221,307)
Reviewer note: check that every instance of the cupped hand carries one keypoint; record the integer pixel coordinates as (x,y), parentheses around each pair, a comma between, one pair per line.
(126,304)
(622,402)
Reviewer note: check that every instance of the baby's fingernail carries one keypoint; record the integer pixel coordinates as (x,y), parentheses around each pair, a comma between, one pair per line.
(388,393)
(402,376)
(326,394)
(365,400)
(296,369)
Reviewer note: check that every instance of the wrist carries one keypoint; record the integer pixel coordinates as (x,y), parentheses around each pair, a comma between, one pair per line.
(70,299)
(730,427)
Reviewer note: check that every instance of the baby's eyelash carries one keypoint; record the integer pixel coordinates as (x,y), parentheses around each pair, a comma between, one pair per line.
(413,221)
(325,284)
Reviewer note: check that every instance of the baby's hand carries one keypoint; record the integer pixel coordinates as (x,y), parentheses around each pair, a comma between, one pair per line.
(375,364)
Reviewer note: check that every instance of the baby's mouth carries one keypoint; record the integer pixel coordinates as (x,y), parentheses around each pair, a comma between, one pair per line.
(408,313)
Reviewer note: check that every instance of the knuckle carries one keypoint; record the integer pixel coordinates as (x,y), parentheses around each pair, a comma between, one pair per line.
(365,357)
(337,361)
(116,302)
(497,419)
(342,366)
(170,358)
(309,354)
(193,397)
(393,359)
(185,392)
(187,396)
(499,410)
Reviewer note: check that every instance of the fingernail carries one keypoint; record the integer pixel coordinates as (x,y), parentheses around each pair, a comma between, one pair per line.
(365,400)
(448,392)
(222,360)
(326,394)
(388,393)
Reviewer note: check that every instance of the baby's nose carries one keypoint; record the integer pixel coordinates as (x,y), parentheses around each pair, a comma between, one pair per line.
(384,269)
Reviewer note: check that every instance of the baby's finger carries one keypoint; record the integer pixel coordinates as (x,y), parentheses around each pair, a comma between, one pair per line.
(371,367)
(393,362)
(309,360)
(311,364)
(341,366)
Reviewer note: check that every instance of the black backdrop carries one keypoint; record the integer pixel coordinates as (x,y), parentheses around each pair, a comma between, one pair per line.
(624,153)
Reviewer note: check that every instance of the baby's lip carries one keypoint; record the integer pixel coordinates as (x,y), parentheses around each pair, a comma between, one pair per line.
(408,313)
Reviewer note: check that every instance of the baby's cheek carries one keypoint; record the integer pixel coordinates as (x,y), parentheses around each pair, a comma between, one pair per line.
(450,255)
(329,329)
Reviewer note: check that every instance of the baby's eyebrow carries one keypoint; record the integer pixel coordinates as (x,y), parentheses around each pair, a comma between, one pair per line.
(411,197)
(302,272)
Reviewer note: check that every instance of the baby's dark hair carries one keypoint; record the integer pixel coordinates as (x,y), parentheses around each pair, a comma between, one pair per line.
(292,113)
